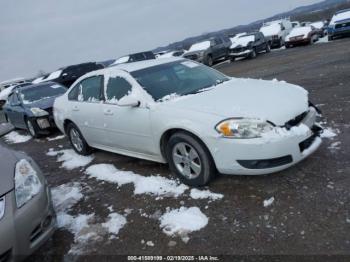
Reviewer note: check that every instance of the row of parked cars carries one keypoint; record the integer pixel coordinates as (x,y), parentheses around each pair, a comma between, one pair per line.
(171,110)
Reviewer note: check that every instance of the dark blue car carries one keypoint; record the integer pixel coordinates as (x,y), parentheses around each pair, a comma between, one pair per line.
(30,107)
(340,24)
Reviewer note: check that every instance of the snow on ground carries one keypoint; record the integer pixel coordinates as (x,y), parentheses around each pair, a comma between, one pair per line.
(323,40)
(278,49)
(55,138)
(334,146)
(269,202)
(70,160)
(203,194)
(152,185)
(15,138)
(114,223)
(65,196)
(329,133)
(182,221)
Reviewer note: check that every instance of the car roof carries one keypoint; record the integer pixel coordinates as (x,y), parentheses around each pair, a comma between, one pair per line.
(134,66)
(342,11)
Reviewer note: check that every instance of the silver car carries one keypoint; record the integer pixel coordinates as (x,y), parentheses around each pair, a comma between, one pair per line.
(27,217)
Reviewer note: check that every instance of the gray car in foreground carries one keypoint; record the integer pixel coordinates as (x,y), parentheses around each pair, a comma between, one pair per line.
(27,217)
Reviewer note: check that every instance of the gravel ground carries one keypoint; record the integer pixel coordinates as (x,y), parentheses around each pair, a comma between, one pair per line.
(308,219)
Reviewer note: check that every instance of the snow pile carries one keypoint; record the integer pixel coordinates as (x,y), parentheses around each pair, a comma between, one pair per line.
(329,133)
(114,223)
(5,93)
(55,138)
(152,185)
(205,194)
(269,202)
(53,75)
(200,46)
(70,160)
(15,138)
(182,221)
(65,196)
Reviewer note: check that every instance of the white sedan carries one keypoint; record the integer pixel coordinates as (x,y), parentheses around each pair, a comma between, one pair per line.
(193,117)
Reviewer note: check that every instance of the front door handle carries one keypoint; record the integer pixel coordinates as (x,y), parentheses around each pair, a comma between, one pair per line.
(108,112)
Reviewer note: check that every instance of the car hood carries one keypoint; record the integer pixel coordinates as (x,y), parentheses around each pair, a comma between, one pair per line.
(194,52)
(8,161)
(43,103)
(274,101)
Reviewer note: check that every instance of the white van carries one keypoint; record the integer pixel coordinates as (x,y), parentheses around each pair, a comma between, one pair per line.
(275,32)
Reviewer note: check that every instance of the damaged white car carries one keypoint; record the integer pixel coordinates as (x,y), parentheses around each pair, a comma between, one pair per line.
(193,117)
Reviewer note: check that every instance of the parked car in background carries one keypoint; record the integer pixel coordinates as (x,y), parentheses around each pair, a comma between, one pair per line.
(191,116)
(134,58)
(249,45)
(339,25)
(275,32)
(304,35)
(27,217)
(5,93)
(30,107)
(12,82)
(321,28)
(295,24)
(209,51)
(175,53)
(67,75)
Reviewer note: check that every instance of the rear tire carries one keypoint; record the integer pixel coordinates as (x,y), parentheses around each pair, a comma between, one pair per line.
(77,140)
(190,160)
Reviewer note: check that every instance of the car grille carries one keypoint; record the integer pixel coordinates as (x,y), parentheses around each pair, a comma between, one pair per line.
(295,121)
(266,163)
(192,57)
(342,25)
(307,143)
(238,49)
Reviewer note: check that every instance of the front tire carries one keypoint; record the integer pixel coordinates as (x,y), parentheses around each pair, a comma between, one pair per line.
(209,61)
(77,140)
(253,54)
(190,160)
(268,48)
(31,129)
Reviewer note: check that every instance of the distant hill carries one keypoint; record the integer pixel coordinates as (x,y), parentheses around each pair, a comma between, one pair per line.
(319,11)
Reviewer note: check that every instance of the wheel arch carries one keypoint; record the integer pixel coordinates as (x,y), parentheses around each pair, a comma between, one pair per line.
(169,132)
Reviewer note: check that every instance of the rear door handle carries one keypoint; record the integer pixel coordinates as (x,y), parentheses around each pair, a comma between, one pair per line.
(108,112)
(75,108)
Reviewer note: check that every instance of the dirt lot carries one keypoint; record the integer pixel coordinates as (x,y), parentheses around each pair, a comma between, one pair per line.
(310,214)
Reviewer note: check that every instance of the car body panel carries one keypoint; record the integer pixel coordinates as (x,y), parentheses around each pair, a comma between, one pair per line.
(138,131)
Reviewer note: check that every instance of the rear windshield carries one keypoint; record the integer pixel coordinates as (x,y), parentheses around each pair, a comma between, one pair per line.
(37,93)
(177,78)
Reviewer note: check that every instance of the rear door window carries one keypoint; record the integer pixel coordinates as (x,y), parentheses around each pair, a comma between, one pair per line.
(117,87)
(88,90)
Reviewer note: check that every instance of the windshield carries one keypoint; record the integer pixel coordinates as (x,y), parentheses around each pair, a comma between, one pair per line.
(177,78)
(36,93)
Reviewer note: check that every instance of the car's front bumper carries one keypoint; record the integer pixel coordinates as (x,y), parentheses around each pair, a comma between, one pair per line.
(43,125)
(266,154)
(23,230)
(301,41)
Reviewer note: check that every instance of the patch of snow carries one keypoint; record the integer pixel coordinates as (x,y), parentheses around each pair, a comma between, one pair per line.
(70,159)
(15,138)
(152,185)
(150,243)
(243,41)
(271,29)
(114,223)
(121,60)
(53,75)
(203,194)
(323,40)
(55,138)
(200,46)
(318,24)
(335,146)
(269,202)
(65,196)
(328,133)
(182,221)
(5,93)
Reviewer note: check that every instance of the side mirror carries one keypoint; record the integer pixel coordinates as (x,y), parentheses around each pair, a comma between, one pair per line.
(129,101)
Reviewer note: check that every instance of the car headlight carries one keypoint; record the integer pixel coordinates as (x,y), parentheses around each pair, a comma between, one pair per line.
(2,207)
(243,128)
(38,111)
(27,183)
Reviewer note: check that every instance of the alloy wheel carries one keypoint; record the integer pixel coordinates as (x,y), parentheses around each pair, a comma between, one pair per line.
(186,160)
(76,139)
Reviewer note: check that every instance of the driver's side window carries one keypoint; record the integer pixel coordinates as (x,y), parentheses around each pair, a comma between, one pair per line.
(117,87)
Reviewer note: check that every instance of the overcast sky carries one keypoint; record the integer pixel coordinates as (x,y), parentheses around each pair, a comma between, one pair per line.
(47,34)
